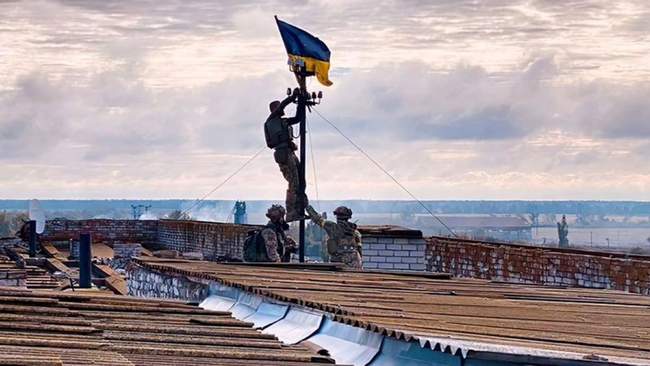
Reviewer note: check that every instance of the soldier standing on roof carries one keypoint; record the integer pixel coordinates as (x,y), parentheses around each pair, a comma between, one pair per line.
(279,136)
(278,246)
(344,242)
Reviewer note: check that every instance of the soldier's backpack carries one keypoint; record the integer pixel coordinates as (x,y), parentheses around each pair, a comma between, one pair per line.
(255,248)
(275,132)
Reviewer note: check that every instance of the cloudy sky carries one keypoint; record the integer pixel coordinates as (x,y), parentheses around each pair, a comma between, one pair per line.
(458,99)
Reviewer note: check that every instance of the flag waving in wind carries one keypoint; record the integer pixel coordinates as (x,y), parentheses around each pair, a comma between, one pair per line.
(305,49)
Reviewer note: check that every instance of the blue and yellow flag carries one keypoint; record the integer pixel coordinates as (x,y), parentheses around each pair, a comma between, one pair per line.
(303,48)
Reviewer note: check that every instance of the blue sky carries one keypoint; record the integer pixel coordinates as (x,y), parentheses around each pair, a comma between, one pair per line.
(458,99)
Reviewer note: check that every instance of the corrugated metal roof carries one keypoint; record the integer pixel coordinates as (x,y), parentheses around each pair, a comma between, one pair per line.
(459,316)
(63,328)
(390,231)
(35,277)
(39,272)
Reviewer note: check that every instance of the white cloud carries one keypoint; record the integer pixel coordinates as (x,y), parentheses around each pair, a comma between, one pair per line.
(511,100)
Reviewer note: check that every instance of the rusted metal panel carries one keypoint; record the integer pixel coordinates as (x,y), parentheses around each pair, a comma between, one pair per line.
(389,231)
(89,327)
(456,316)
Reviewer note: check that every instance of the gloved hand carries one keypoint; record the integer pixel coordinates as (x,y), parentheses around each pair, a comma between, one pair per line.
(295,94)
(311,212)
(292,246)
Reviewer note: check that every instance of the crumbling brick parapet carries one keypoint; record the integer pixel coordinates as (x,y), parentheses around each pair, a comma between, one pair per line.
(538,265)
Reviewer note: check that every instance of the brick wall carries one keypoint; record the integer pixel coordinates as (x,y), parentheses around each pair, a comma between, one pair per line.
(103,230)
(393,248)
(538,265)
(213,239)
(384,247)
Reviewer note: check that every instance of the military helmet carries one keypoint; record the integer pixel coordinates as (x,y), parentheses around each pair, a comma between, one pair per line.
(275,212)
(274,105)
(343,212)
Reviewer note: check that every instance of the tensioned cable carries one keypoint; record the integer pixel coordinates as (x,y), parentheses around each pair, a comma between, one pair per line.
(313,165)
(198,201)
(385,172)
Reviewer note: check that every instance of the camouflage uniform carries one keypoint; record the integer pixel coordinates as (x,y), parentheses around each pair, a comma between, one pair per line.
(344,242)
(285,152)
(278,246)
(288,163)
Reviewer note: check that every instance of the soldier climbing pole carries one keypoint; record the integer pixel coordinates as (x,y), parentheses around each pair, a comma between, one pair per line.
(308,56)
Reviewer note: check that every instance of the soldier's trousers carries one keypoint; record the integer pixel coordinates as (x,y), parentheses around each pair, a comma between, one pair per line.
(351,260)
(288,163)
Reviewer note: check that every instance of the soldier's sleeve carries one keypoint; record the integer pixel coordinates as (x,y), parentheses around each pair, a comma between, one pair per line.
(357,237)
(315,217)
(283,104)
(271,244)
(330,228)
(357,240)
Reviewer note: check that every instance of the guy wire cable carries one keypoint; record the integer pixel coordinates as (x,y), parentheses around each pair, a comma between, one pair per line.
(198,201)
(313,165)
(385,172)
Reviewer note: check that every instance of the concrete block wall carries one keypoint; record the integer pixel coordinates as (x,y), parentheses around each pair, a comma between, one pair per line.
(147,283)
(126,250)
(393,248)
(538,265)
(103,230)
(213,239)
(122,254)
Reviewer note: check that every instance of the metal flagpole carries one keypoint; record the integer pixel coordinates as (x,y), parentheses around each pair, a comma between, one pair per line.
(301,76)
(313,55)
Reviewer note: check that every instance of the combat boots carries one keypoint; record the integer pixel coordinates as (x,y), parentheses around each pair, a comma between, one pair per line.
(293,202)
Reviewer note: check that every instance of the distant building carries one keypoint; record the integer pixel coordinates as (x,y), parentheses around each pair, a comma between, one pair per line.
(501,228)
(239,212)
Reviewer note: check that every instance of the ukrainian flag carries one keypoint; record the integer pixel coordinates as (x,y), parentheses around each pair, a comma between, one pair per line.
(305,49)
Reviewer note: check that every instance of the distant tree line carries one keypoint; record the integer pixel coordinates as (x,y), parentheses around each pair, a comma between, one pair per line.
(113,208)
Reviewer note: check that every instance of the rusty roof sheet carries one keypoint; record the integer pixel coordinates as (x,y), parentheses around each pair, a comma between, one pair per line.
(35,277)
(65,328)
(390,231)
(39,273)
(609,324)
